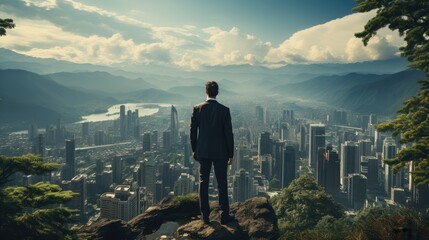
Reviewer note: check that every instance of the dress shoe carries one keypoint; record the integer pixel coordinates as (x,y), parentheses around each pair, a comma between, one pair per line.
(226,219)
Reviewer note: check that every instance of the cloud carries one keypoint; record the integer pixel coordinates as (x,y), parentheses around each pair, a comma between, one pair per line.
(334,41)
(72,31)
(234,47)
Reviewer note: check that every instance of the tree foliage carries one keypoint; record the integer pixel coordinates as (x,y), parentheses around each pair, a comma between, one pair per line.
(302,205)
(5,24)
(411,19)
(29,212)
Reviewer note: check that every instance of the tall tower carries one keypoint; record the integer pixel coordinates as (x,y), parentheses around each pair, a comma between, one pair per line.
(241,186)
(332,180)
(117,169)
(69,169)
(147,141)
(122,122)
(389,152)
(264,144)
(350,162)
(174,126)
(316,141)
(288,168)
(357,190)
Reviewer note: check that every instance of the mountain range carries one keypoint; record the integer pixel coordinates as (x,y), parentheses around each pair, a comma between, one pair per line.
(364,93)
(43,90)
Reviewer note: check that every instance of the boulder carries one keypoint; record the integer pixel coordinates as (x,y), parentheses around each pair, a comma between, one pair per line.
(254,219)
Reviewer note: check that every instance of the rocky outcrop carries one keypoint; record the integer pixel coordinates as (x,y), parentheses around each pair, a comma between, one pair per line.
(254,219)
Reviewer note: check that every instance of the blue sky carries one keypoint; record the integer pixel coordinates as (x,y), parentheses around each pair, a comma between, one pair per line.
(271,20)
(193,33)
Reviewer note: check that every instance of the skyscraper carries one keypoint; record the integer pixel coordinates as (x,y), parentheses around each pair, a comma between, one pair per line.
(122,123)
(332,171)
(264,144)
(174,126)
(242,184)
(166,139)
(117,169)
(69,169)
(121,204)
(85,129)
(186,151)
(147,141)
(79,201)
(357,190)
(288,167)
(184,184)
(316,141)
(365,148)
(39,144)
(369,167)
(350,162)
(389,152)
(266,166)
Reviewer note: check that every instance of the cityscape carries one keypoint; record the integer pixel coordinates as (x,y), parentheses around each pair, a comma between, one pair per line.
(328,103)
(122,167)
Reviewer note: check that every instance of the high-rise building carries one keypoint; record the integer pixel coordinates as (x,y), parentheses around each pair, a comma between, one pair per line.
(389,152)
(117,169)
(166,139)
(99,166)
(266,166)
(122,122)
(356,190)
(369,167)
(302,142)
(155,137)
(39,144)
(288,167)
(186,151)
(365,147)
(184,184)
(147,169)
(78,185)
(159,191)
(32,132)
(350,162)
(174,126)
(100,138)
(242,185)
(331,165)
(69,169)
(278,147)
(240,152)
(121,204)
(147,141)
(85,129)
(316,141)
(264,144)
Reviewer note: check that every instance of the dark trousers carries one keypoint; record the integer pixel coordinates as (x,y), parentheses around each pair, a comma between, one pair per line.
(220,169)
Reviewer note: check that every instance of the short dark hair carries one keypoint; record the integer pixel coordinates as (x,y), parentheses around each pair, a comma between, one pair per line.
(212,89)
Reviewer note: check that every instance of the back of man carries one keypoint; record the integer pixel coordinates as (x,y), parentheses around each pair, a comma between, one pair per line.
(213,136)
(213,144)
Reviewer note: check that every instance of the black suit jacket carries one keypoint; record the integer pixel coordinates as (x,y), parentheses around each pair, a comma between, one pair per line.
(211,131)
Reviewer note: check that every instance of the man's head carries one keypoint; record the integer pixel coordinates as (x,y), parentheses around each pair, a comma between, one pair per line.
(212,89)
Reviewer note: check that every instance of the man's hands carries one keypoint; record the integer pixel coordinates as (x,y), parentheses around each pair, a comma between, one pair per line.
(230,160)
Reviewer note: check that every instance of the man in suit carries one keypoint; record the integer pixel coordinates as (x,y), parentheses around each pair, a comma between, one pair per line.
(213,144)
